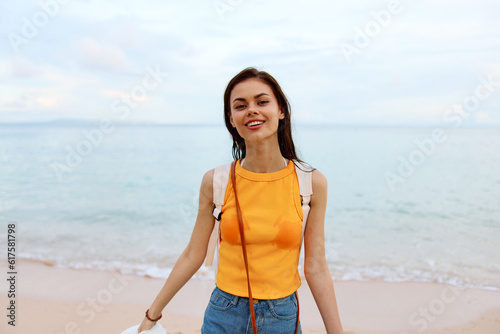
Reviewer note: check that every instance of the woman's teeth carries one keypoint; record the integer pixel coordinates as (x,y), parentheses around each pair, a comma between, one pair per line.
(255,123)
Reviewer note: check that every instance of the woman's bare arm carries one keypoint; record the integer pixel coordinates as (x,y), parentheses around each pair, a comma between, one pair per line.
(315,267)
(192,258)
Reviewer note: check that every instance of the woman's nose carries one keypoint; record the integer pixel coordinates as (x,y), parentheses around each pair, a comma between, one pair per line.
(252,109)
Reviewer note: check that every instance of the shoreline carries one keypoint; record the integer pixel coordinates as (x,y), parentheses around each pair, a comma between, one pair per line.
(55,301)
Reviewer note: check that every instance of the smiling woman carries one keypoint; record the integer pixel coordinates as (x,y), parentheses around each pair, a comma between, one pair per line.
(261,100)
(259,228)
(268,98)
(253,108)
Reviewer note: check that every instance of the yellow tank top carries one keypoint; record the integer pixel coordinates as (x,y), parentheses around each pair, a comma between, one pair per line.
(272,219)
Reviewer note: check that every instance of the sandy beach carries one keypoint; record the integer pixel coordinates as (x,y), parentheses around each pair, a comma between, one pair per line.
(51,300)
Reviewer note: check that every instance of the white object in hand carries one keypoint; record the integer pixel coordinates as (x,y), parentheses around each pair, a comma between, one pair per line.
(157,329)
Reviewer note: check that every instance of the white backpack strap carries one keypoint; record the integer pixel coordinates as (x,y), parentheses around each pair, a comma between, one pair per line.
(221,178)
(304,175)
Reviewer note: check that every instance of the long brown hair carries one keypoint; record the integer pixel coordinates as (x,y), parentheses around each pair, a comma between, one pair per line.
(285,140)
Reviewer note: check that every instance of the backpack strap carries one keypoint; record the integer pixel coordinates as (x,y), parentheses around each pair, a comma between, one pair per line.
(304,175)
(221,178)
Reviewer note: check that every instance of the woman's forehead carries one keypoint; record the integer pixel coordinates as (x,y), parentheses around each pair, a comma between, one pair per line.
(249,88)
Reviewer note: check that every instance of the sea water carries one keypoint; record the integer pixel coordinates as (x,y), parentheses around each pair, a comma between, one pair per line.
(402,205)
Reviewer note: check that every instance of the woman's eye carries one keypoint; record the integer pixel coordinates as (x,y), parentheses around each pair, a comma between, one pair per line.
(239,106)
(263,102)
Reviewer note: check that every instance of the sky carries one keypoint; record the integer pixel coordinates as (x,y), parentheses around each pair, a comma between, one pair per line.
(365,62)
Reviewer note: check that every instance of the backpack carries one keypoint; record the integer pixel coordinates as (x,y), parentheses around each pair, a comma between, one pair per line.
(221,179)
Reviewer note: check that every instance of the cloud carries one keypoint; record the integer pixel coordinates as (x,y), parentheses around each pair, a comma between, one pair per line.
(93,52)
(42,99)
(23,67)
(19,103)
(99,55)
(444,31)
(47,101)
(482,117)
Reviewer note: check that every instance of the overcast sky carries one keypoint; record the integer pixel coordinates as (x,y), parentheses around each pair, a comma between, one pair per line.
(339,62)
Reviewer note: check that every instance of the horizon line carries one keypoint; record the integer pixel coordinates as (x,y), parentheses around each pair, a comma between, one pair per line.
(81,122)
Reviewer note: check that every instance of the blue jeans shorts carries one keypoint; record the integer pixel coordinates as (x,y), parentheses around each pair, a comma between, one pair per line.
(227,313)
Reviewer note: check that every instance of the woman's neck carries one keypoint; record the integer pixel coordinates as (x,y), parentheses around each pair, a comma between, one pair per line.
(263,158)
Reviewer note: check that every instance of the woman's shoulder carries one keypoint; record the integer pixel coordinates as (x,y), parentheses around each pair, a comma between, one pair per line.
(319,188)
(206,188)
(209,175)
(318,180)
(214,181)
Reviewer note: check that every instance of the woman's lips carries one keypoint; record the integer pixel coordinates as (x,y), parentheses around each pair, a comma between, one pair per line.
(255,124)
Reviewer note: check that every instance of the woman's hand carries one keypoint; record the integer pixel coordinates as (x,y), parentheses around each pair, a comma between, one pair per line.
(146,324)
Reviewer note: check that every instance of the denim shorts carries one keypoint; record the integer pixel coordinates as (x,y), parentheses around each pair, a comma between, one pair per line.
(227,313)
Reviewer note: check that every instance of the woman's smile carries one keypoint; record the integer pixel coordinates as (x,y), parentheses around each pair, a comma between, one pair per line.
(254,124)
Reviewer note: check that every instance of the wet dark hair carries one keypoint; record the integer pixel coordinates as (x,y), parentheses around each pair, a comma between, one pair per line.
(285,140)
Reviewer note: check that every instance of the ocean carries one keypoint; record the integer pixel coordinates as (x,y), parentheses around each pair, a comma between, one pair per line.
(405,204)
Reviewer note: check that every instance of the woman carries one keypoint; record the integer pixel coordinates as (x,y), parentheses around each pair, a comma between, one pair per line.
(257,114)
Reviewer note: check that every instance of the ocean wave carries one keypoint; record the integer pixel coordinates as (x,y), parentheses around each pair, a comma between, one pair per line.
(396,274)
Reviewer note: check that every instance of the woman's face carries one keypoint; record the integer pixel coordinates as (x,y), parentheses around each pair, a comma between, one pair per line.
(255,112)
